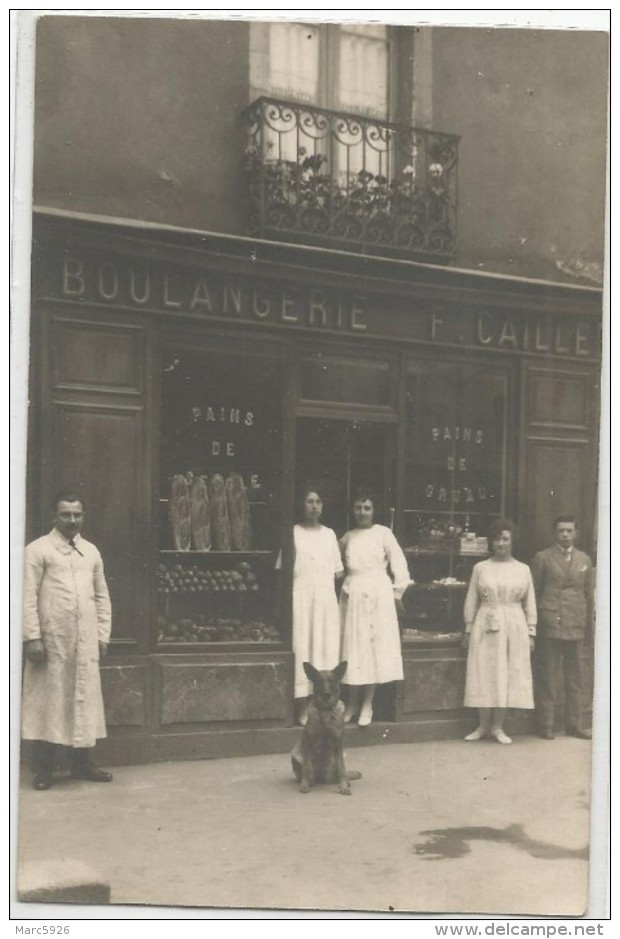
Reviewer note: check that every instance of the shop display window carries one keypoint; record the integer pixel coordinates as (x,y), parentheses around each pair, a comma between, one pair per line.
(221,456)
(455,484)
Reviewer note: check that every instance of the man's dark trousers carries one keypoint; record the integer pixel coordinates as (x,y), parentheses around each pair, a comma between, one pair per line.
(554,655)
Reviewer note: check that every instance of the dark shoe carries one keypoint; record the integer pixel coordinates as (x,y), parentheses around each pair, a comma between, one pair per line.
(42,781)
(577,732)
(546,734)
(91,774)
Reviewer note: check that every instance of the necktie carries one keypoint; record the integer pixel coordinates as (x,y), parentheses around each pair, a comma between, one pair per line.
(73,545)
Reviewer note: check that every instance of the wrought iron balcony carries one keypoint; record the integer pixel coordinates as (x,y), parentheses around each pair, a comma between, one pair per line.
(350,181)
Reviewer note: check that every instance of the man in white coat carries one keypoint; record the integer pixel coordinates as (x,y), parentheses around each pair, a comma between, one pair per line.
(66,630)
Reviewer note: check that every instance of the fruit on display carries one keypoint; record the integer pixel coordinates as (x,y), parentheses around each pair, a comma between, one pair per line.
(183,623)
(184,579)
(202,628)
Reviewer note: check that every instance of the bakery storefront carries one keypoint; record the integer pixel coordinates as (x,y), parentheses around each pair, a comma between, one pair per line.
(188,383)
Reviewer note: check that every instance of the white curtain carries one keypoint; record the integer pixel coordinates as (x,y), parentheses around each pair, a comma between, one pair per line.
(294,61)
(364,71)
(363,89)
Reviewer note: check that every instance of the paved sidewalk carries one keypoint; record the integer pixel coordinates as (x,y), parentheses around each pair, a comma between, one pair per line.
(431,827)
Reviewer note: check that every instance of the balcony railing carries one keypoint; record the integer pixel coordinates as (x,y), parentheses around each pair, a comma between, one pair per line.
(350,181)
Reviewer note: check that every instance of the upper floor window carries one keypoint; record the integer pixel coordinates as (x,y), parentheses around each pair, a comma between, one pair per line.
(344,67)
(364,70)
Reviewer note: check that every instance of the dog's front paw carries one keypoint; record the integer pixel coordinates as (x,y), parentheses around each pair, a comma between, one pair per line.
(344,791)
(305,788)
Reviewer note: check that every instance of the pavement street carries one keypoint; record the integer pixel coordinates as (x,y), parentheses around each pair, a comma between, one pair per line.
(433,827)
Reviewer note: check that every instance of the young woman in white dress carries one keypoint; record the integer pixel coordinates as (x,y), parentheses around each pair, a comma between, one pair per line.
(376,576)
(316,625)
(500,630)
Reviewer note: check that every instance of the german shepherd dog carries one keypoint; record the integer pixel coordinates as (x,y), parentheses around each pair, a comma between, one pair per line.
(318,757)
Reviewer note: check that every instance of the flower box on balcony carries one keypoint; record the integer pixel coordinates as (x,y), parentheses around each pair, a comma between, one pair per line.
(349,181)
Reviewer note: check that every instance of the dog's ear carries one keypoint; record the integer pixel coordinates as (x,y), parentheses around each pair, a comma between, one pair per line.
(311,672)
(339,671)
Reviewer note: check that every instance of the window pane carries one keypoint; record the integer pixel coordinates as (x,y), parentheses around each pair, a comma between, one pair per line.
(219,496)
(364,70)
(294,61)
(363,74)
(455,451)
(221,414)
(366,29)
(346,380)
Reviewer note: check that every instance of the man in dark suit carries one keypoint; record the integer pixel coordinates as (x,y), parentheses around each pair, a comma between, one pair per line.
(564,583)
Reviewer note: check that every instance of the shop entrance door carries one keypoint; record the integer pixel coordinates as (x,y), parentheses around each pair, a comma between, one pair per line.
(341,456)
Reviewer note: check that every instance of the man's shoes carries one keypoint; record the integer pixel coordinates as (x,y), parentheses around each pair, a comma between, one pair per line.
(546,734)
(90,773)
(42,781)
(578,732)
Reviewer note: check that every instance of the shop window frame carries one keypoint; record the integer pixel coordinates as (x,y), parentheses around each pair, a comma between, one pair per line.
(184,336)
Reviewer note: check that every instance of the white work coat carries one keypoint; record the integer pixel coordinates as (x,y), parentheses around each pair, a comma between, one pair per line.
(67,607)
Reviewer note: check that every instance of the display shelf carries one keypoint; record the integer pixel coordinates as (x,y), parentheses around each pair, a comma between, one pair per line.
(420,637)
(439,551)
(216,554)
(425,588)
(212,598)
(433,548)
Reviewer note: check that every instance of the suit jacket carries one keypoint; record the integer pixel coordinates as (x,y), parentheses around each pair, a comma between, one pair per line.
(564,593)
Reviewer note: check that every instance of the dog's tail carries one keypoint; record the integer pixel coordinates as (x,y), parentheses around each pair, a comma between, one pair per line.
(353,774)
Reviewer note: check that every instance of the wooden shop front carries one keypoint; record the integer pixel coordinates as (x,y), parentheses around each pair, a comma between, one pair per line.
(160,355)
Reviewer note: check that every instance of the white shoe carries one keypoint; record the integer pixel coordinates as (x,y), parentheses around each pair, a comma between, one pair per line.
(500,736)
(365,717)
(349,714)
(477,734)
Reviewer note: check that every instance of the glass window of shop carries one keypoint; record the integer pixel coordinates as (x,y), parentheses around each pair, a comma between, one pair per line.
(455,483)
(219,525)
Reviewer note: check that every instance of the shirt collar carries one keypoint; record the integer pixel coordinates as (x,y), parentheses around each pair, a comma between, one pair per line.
(568,552)
(61,543)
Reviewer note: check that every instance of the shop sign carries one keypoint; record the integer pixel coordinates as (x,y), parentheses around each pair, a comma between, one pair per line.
(169,289)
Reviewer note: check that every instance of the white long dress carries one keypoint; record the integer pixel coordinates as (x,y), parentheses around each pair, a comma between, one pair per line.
(500,615)
(369,625)
(316,626)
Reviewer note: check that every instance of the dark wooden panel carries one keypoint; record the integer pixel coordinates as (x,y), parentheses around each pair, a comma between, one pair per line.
(96,356)
(433,684)
(124,695)
(558,399)
(100,451)
(556,481)
(225,692)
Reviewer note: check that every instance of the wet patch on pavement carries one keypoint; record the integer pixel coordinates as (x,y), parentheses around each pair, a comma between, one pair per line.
(445,843)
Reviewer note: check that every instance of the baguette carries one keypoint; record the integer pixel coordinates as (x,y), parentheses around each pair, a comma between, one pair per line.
(218,504)
(180,521)
(200,514)
(238,513)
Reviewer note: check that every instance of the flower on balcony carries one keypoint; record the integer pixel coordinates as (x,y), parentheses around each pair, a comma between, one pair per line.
(304,193)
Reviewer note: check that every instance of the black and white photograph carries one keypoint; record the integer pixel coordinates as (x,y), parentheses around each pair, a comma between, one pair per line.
(311,403)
